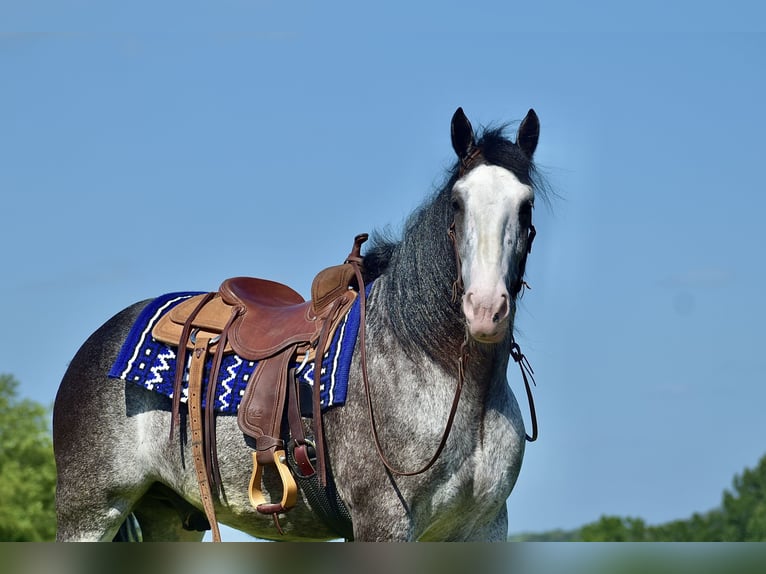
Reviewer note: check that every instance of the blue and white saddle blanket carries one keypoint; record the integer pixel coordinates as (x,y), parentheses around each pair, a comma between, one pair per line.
(152,364)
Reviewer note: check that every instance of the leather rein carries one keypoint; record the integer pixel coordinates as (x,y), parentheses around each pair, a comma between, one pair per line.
(527,373)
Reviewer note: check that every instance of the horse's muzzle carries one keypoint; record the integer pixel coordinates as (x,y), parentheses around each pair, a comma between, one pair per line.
(487,314)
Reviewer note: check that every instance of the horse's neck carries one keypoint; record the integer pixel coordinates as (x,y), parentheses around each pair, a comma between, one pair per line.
(417,303)
(486,367)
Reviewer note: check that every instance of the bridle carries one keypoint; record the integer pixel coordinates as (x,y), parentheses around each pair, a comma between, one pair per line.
(527,374)
(519,358)
(469,161)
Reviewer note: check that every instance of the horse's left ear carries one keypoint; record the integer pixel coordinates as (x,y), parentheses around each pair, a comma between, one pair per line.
(462,134)
(529,133)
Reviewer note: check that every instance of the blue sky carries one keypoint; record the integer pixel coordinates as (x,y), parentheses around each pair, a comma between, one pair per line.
(151,148)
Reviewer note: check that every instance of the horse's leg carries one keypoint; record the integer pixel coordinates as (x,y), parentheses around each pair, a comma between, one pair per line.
(99,477)
(90,513)
(496,530)
(162,515)
(130,531)
(379,510)
(99,457)
(384,519)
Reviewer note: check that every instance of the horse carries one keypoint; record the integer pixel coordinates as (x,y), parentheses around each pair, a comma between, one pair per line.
(439,339)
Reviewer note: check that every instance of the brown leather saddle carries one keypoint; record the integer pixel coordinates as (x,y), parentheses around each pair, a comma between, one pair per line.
(267,322)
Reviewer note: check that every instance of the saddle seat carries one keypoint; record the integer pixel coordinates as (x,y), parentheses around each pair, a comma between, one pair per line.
(269,317)
(273,316)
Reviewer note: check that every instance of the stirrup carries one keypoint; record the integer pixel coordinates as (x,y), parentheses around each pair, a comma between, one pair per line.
(289,486)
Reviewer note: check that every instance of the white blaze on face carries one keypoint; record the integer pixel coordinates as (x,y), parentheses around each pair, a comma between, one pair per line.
(490,198)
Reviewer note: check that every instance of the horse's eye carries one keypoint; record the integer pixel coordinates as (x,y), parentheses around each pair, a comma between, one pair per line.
(525,214)
(457,206)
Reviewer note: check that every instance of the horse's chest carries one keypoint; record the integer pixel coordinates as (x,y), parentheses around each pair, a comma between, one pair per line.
(478,486)
(496,459)
(497,465)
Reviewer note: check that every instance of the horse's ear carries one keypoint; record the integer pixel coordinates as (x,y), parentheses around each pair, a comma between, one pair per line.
(462,134)
(529,133)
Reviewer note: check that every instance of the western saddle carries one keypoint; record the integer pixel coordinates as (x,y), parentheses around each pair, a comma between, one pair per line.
(272,324)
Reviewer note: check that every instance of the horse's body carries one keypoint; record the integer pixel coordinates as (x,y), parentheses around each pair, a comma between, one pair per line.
(114,458)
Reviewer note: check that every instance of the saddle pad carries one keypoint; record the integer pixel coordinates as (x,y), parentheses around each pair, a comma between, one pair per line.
(151,364)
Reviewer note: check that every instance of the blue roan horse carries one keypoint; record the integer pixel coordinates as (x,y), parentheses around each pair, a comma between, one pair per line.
(447,289)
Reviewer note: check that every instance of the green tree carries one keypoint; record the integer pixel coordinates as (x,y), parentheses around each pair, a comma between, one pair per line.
(745,507)
(741,517)
(707,527)
(27,469)
(614,529)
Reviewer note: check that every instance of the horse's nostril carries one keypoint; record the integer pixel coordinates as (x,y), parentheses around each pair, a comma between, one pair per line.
(502,312)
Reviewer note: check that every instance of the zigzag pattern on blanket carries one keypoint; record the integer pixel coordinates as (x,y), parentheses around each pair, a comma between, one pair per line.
(151,364)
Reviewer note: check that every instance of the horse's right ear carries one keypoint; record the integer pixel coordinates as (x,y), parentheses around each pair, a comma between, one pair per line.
(462,134)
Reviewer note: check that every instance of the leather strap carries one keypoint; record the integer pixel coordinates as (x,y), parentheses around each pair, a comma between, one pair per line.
(526,369)
(299,444)
(317,402)
(457,285)
(211,450)
(470,160)
(196,371)
(181,363)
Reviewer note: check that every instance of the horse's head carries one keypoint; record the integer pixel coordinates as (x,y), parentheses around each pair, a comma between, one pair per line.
(492,199)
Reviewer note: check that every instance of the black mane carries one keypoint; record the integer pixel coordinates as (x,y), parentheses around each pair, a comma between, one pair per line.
(420,267)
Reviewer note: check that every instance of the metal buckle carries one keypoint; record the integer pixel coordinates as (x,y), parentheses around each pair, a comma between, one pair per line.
(193,337)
